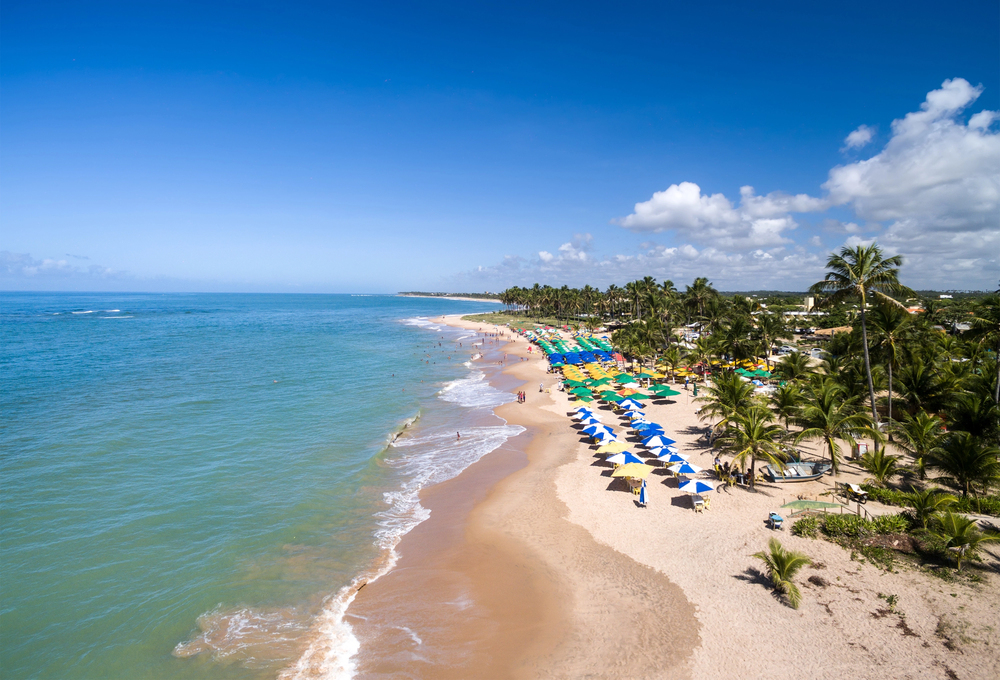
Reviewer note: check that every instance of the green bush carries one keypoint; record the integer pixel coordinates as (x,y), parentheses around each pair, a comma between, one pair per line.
(887,496)
(846,525)
(807,527)
(890,524)
(981,505)
(853,526)
(985,505)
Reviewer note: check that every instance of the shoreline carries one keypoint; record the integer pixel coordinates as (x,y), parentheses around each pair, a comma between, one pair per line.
(453,297)
(590,592)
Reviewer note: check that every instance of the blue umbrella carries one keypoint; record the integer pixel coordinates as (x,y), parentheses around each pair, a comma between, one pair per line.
(660,450)
(590,420)
(672,458)
(625,457)
(636,415)
(594,429)
(651,428)
(642,493)
(684,469)
(696,486)
(605,437)
(630,404)
(583,413)
(657,440)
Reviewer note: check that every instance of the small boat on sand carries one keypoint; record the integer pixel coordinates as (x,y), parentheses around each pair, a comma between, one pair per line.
(797,472)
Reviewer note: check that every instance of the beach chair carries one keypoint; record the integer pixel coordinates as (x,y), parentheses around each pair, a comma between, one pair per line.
(856,493)
(698,502)
(708,503)
(774,520)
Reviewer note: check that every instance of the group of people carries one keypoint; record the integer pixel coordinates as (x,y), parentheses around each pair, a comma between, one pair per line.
(521,397)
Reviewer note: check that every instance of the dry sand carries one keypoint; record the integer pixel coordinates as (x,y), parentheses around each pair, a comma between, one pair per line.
(603,588)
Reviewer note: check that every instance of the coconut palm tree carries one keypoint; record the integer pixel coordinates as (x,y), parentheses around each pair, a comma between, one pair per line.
(881,466)
(827,417)
(918,435)
(985,328)
(752,435)
(787,401)
(862,274)
(890,323)
(926,504)
(966,462)
(961,536)
(727,396)
(782,565)
(771,327)
(794,366)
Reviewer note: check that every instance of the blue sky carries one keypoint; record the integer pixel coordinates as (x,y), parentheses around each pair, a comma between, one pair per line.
(471,146)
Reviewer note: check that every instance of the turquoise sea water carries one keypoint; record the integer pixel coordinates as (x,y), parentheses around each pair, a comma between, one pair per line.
(190,480)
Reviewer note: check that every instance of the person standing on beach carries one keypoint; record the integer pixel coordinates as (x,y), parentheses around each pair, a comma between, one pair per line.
(458,436)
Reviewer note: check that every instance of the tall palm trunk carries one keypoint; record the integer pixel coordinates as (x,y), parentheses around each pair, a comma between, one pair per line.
(868,362)
(996,390)
(890,398)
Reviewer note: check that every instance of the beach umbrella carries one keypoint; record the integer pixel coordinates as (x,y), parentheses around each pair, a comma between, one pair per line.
(642,493)
(696,486)
(613,447)
(664,391)
(594,429)
(584,398)
(580,390)
(636,470)
(630,404)
(810,505)
(581,408)
(624,458)
(684,469)
(591,421)
(604,437)
(625,379)
(659,450)
(657,440)
(670,457)
(611,396)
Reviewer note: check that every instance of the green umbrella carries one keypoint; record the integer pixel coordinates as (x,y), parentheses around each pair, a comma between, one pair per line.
(583,391)
(584,397)
(625,379)
(803,505)
(600,381)
(664,391)
(611,396)
(575,383)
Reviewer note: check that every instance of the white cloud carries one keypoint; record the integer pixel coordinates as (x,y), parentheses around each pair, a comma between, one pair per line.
(759,221)
(859,137)
(937,185)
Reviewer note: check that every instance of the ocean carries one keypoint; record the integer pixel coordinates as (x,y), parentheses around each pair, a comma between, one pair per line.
(193,485)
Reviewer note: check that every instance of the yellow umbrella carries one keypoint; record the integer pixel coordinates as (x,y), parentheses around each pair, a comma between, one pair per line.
(612,447)
(636,470)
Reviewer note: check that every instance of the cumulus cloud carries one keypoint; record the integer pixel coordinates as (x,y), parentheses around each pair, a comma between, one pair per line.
(778,268)
(21,271)
(936,185)
(859,137)
(932,194)
(758,221)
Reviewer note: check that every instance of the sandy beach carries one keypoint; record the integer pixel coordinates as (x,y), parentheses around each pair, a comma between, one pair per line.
(566,576)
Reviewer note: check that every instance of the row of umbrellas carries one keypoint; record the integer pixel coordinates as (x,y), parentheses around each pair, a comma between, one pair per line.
(627,464)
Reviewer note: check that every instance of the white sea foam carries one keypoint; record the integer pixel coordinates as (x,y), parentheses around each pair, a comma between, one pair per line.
(427,458)
(422,322)
(89,311)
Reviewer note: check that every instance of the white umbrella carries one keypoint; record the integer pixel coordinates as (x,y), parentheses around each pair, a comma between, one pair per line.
(660,450)
(624,457)
(672,458)
(696,486)
(684,469)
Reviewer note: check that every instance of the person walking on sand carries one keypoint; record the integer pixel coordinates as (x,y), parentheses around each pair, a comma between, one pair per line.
(458,436)
(541,387)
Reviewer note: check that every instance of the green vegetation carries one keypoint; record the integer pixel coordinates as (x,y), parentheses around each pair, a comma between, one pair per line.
(781,566)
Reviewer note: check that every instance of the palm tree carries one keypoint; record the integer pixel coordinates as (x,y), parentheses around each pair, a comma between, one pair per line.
(966,461)
(881,466)
(727,396)
(961,536)
(787,402)
(794,366)
(985,328)
(922,386)
(781,566)
(862,274)
(826,416)
(751,436)
(919,435)
(889,324)
(697,295)
(926,504)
